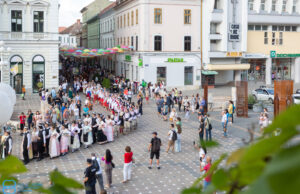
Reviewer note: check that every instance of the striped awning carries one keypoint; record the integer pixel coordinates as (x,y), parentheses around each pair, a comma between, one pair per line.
(220,67)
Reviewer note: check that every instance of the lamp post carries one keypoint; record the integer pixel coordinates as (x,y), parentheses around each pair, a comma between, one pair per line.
(3,51)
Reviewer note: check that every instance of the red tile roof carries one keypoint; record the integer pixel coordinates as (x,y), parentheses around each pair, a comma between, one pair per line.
(112,5)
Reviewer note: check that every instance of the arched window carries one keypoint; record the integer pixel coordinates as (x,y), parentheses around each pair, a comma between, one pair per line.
(38,73)
(16,73)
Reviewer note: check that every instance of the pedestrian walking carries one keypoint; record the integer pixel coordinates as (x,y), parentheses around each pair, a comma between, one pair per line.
(99,176)
(22,118)
(224,122)
(128,160)
(178,141)
(154,149)
(172,137)
(201,130)
(208,127)
(207,179)
(23,92)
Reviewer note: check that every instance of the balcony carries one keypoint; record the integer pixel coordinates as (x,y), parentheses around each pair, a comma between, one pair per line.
(28,36)
(215,36)
(217,16)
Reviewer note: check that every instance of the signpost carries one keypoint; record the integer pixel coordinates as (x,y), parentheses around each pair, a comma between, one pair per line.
(241,98)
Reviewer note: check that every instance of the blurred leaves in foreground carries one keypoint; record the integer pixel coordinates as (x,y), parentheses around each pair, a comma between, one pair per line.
(268,165)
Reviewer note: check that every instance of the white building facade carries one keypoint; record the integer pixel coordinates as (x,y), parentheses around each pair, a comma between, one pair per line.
(67,40)
(30,28)
(165,36)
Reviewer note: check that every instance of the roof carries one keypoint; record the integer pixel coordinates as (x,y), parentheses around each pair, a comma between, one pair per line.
(112,5)
(73,29)
(60,29)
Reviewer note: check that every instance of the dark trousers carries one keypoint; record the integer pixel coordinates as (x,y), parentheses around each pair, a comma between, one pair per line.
(22,126)
(40,149)
(47,146)
(141,110)
(201,136)
(90,188)
(25,154)
(94,132)
(179,106)
(29,124)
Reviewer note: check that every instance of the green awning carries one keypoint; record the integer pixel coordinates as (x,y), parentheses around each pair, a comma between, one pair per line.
(209,72)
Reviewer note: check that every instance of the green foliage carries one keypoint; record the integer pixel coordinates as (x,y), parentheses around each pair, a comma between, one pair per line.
(251,99)
(268,165)
(11,165)
(106,83)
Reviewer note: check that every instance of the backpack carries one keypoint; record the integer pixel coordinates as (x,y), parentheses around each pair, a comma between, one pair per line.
(174,136)
(179,129)
(96,165)
(156,145)
(233,108)
(209,125)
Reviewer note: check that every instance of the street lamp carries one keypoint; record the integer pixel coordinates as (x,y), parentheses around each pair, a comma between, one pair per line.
(3,51)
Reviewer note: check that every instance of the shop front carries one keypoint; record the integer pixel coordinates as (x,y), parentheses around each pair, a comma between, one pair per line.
(257,70)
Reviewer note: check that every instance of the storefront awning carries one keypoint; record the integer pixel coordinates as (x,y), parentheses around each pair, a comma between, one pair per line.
(212,67)
(209,72)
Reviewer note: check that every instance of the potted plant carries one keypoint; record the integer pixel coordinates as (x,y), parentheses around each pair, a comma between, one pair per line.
(251,101)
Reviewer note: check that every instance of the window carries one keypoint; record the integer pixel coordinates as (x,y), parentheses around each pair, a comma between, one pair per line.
(250,5)
(187,43)
(273,38)
(280,38)
(132,41)
(262,5)
(274,5)
(162,74)
(132,18)
(250,27)
(280,28)
(127,41)
(118,24)
(137,16)
(121,21)
(157,16)
(257,27)
(38,21)
(274,28)
(264,28)
(295,6)
(16,21)
(284,6)
(157,43)
(72,40)
(124,20)
(266,38)
(136,43)
(128,20)
(217,4)
(287,28)
(187,16)
(188,75)
(294,28)
(59,38)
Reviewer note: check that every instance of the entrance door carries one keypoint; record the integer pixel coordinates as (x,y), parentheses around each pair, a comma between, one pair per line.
(18,83)
(188,76)
(162,75)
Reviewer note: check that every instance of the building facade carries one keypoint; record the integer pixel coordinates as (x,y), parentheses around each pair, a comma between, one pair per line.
(69,36)
(165,39)
(273,41)
(30,28)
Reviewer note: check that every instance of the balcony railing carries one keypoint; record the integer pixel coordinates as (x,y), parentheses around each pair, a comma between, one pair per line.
(28,36)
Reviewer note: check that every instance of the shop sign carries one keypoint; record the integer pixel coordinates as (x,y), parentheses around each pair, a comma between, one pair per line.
(140,62)
(234,32)
(234,54)
(175,60)
(127,58)
(274,55)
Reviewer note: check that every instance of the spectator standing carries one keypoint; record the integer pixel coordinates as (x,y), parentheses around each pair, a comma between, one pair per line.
(224,122)
(22,118)
(208,127)
(201,130)
(23,92)
(178,141)
(154,149)
(99,176)
(109,165)
(172,137)
(207,179)
(90,178)
(127,164)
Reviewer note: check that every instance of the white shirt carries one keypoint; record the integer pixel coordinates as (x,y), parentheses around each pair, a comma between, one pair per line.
(170,134)
(76,112)
(224,118)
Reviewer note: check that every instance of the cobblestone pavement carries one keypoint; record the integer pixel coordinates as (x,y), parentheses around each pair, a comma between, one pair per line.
(178,170)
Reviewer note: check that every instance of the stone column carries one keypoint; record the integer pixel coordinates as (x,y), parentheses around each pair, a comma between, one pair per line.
(268,75)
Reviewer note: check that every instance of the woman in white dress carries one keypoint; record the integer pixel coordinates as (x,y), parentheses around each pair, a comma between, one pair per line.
(109,129)
(65,140)
(75,143)
(54,146)
(87,135)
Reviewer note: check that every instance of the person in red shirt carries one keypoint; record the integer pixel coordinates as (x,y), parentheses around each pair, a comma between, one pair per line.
(22,118)
(127,164)
(207,179)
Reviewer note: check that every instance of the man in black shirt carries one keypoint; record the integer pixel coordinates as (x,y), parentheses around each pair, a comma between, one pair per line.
(90,178)
(41,142)
(154,149)
(94,127)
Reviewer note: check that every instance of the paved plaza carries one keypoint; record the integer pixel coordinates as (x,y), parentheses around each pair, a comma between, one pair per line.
(178,170)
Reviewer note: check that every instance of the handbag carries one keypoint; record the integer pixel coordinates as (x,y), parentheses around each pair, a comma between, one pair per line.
(113,165)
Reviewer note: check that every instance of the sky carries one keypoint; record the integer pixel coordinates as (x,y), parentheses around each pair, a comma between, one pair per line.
(69,11)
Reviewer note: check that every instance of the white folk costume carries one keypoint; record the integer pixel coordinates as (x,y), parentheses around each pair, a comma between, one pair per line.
(75,143)
(109,130)
(87,135)
(54,146)
(65,141)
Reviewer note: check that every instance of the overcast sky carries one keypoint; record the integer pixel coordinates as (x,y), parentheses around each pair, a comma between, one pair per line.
(69,11)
